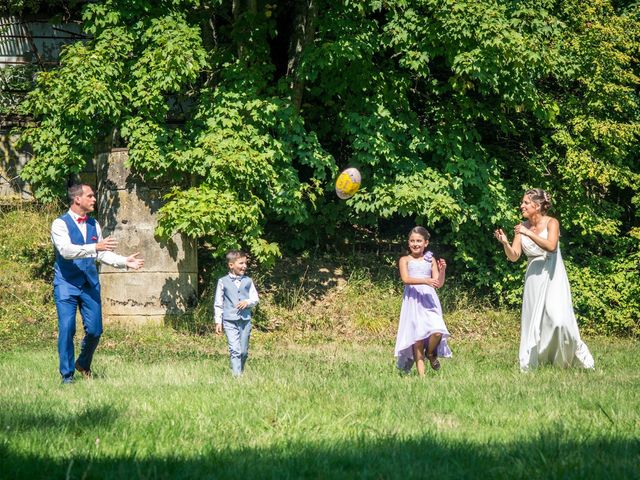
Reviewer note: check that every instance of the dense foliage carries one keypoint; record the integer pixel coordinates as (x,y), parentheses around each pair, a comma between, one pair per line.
(450,109)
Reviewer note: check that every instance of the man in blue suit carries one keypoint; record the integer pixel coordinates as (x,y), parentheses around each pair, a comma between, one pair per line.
(78,243)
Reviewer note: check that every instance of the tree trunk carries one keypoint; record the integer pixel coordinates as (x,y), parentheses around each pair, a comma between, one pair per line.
(239,8)
(236,9)
(303,35)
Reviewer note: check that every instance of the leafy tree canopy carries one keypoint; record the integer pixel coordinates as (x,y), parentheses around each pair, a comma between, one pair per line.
(450,109)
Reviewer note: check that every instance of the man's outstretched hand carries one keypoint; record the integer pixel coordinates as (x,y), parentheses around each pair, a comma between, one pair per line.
(108,244)
(134,262)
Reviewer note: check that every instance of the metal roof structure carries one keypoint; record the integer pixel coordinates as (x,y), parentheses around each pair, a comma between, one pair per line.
(35,42)
(28,45)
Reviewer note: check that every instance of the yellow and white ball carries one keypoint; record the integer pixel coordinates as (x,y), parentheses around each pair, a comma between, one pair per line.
(348,183)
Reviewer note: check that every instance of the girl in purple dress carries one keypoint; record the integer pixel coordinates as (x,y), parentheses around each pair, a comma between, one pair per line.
(421,329)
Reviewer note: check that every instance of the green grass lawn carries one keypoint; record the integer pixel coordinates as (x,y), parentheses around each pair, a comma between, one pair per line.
(321,397)
(309,409)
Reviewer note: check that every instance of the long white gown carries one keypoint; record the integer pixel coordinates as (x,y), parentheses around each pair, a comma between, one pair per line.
(549,331)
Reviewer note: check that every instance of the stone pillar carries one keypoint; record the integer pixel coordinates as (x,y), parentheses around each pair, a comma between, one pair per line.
(127,210)
(12,160)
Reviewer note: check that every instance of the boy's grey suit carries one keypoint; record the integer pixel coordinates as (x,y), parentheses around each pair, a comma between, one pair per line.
(236,323)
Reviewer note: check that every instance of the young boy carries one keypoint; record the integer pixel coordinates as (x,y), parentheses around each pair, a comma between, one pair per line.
(235,297)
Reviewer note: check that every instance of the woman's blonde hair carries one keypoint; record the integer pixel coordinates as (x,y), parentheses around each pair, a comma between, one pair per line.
(540,197)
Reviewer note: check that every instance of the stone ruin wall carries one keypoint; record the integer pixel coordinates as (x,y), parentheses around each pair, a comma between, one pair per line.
(12,159)
(127,208)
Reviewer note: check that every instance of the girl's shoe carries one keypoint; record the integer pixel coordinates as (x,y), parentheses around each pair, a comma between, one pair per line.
(435,363)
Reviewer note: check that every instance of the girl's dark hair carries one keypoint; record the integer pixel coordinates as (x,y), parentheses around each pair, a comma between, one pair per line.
(420,231)
(540,197)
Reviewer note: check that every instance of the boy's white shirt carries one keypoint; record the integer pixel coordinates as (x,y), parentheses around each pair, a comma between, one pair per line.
(218,303)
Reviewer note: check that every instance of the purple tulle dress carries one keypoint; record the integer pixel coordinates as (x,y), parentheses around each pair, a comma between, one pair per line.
(420,316)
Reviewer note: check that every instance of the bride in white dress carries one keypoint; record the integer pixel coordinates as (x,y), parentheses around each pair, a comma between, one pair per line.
(549,331)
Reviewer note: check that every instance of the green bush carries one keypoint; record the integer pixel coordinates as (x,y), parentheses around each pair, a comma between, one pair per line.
(27,312)
(606,294)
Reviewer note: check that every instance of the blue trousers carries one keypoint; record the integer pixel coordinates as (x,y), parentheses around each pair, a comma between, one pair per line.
(238,333)
(68,300)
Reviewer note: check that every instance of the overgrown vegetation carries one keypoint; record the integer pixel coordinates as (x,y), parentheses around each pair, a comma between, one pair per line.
(27,312)
(449,109)
(354,294)
(316,295)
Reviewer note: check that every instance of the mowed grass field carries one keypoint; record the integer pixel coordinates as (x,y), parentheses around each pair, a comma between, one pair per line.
(316,409)
(321,397)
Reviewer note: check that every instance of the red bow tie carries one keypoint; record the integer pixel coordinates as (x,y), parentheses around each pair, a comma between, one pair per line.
(82,219)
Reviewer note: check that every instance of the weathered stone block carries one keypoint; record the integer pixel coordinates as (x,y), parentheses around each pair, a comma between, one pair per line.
(135,206)
(148,293)
(113,173)
(145,320)
(127,209)
(12,161)
(131,221)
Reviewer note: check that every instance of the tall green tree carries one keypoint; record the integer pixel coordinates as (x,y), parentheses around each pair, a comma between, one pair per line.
(450,109)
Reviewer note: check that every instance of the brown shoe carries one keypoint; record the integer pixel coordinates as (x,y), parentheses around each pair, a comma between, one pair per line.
(86,373)
(435,363)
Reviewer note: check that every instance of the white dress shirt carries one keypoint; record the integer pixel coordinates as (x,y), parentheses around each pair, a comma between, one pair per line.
(62,242)
(218,303)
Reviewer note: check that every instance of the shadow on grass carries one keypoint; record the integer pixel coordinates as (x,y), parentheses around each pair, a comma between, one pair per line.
(92,418)
(547,456)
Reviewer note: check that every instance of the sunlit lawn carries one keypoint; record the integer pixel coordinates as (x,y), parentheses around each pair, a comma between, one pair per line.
(320,410)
